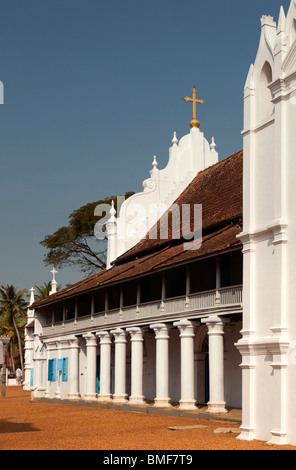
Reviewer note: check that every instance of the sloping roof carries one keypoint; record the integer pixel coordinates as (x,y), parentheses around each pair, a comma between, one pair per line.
(219,190)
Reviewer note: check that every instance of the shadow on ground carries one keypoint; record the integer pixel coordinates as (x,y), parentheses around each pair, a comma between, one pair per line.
(9,427)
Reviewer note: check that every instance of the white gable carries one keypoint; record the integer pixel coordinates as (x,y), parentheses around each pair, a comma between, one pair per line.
(140,212)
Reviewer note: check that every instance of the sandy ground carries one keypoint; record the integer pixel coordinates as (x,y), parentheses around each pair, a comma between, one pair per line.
(26,425)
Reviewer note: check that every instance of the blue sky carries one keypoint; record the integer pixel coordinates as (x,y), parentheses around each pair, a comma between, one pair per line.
(94,89)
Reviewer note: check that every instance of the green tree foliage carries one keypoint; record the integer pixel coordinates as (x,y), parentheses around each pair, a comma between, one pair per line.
(13,316)
(76,244)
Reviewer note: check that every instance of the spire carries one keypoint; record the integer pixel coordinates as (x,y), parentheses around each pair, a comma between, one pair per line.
(53,282)
(282,21)
(32,297)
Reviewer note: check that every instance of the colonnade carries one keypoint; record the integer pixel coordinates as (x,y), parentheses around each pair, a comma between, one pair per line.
(187,331)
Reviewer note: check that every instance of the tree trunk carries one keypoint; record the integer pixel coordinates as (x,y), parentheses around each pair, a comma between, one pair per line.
(19,345)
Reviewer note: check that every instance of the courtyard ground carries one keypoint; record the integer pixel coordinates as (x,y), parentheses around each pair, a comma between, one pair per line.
(27,425)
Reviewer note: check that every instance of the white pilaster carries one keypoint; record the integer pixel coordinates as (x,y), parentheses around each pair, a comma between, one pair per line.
(91,353)
(187,335)
(162,364)
(120,395)
(137,341)
(105,365)
(216,366)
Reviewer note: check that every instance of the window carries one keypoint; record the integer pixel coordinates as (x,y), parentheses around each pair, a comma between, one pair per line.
(52,370)
(58,366)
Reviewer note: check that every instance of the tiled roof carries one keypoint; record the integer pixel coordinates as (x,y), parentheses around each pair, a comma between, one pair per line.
(219,190)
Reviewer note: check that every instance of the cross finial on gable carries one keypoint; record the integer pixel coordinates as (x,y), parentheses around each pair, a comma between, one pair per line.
(194,122)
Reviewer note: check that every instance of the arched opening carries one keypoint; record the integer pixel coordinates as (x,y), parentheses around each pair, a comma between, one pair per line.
(265,105)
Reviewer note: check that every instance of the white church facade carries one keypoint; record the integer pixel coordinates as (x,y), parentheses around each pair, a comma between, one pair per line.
(180,320)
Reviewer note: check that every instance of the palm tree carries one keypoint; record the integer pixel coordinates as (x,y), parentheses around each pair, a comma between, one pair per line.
(44,290)
(13,309)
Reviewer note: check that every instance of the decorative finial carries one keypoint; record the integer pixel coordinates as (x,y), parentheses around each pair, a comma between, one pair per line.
(194,122)
(213,145)
(175,140)
(154,163)
(32,297)
(112,212)
(53,282)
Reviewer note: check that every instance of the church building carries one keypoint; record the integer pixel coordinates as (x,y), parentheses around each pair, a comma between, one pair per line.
(195,306)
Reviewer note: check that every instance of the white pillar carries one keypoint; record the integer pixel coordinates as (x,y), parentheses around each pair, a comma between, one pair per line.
(120,395)
(137,341)
(29,354)
(216,363)
(73,375)
(187,335)
(91,354)
(162,364)
(105,365)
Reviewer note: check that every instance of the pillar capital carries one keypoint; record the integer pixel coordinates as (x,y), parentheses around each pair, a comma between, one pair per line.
(91,339)
(104,337)
(119,335)
(161,330)
(136,333)
(186,327)
(215,324)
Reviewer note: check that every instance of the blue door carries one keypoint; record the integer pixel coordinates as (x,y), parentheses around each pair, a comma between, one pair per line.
(98,375)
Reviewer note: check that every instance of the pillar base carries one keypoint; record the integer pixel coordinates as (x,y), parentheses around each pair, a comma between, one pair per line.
(137,400)
(90,397)
(187,405)
(218,407)
(74,396)
(247,434)
(105,398)
(162,403)
(120,398)
(278,438)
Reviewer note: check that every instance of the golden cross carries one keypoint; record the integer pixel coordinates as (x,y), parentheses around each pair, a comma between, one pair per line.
(194,122)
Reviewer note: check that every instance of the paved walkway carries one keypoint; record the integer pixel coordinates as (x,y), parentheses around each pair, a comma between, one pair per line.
(234,415)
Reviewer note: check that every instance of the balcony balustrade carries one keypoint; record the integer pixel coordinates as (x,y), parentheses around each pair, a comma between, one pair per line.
(193,304)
